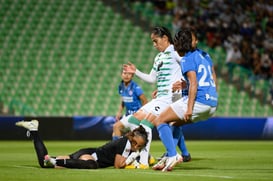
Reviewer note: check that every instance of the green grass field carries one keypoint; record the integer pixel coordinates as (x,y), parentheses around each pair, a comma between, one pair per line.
(212,160)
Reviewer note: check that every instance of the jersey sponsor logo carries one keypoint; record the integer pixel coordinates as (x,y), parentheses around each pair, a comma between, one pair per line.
(162,78)
(129,112)
(209,97)
(159,65)
(127,99)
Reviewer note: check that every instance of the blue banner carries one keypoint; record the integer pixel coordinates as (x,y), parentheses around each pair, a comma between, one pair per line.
(214,128)
(100,128)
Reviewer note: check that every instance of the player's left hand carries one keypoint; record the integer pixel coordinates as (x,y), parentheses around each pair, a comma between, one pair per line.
(187,116)
(177,86)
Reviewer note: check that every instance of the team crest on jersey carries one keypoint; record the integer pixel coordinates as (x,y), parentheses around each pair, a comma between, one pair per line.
(130,92)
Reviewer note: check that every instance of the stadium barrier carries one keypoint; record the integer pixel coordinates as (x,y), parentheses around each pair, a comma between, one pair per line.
(100,128)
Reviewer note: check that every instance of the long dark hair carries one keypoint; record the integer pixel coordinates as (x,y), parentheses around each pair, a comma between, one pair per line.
(139,131)
(183,40)
(161,31)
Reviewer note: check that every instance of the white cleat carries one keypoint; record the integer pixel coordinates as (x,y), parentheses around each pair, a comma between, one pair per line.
(29,125)
(161,164)
(171,162)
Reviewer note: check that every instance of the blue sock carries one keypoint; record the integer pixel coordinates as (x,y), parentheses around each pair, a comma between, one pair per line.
(166,137)
(176,134)
(181,143)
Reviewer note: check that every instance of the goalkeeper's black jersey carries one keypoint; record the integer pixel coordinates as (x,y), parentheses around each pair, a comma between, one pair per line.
(106,153)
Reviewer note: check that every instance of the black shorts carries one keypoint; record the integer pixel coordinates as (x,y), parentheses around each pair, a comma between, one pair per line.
(79,153)
(106,154)
(102,160)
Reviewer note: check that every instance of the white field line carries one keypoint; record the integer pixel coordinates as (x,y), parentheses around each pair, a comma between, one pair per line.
(183,174)
(150,173)
(21,166)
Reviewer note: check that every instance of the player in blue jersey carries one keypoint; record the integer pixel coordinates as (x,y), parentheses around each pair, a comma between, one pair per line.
(201,102)
(132,98)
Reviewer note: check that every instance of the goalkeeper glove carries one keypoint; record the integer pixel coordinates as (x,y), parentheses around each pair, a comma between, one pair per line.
(132,157)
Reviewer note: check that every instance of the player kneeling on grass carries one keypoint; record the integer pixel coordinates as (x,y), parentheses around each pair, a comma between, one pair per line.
(118,153)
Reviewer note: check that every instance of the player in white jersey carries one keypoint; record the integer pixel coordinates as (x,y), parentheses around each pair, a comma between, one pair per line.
(165,71)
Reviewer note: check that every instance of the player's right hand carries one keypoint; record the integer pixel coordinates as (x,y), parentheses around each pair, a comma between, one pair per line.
(154,93)
(130,68)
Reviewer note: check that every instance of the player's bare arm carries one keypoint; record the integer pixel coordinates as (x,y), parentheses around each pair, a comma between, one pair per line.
(120,109)
(143,99)
(119,161)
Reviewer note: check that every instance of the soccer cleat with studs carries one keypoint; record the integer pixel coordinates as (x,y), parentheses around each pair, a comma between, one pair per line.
(186,158)
(29,125)
(171,162)
(160,164)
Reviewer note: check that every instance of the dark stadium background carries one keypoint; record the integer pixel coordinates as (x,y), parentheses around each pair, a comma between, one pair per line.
(60,63)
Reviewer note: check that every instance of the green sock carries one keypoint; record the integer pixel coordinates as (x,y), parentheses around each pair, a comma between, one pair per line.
(147,123)
(134,121)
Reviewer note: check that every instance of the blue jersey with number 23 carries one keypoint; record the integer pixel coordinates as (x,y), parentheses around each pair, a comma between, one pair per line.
(200,62)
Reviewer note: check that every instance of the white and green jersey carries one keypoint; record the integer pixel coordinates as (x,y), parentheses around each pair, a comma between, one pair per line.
(168,71)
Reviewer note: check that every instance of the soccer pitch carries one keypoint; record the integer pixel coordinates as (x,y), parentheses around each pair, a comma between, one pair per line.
(211,160)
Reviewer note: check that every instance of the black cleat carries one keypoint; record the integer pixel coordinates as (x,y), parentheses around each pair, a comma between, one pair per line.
(186,158)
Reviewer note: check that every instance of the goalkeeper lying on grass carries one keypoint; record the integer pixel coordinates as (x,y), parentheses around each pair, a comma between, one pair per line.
(118,153)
